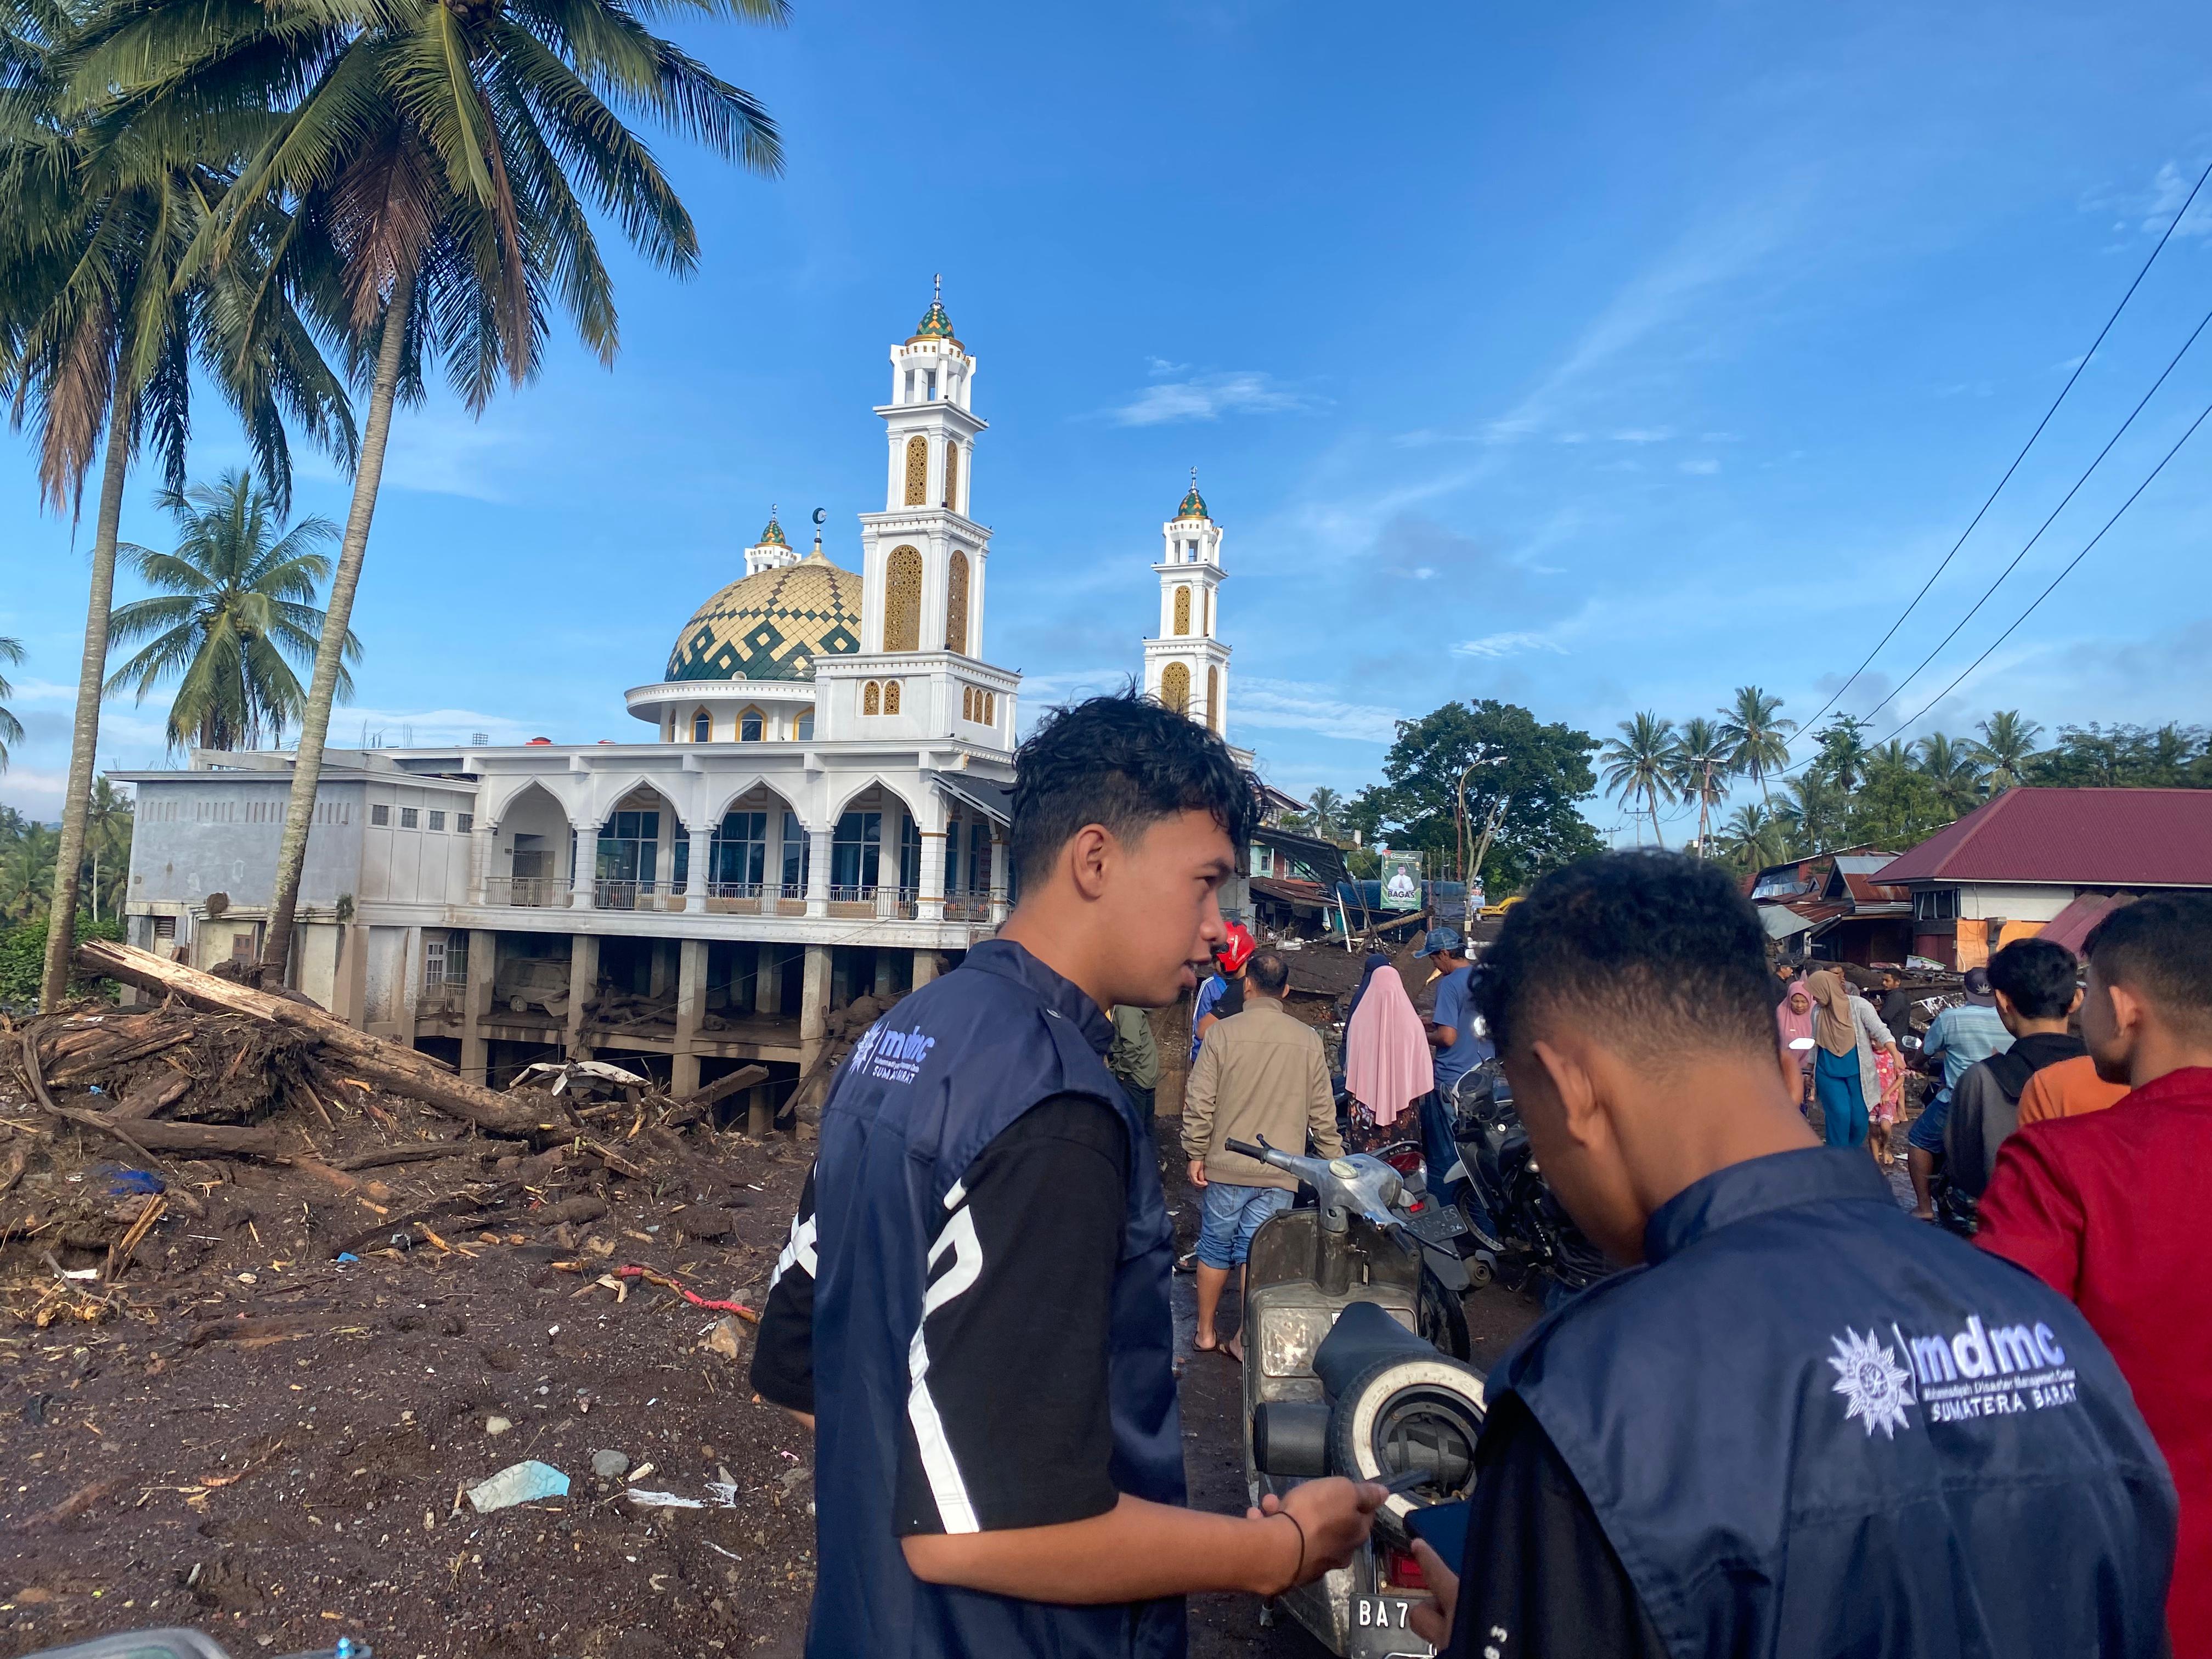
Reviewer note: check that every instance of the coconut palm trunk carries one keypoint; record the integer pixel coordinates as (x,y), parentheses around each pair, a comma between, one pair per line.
(330,652)
(92,675)
(1651,794)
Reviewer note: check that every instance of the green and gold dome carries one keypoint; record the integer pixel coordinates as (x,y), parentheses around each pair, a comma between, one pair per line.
(1193,504)
(772,625)
(934,326)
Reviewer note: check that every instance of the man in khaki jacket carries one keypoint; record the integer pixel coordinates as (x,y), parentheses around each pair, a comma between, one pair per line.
(1259,1072)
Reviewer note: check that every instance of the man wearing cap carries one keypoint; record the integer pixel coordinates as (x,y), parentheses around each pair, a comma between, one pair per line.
(1960,1037)
(1223,994)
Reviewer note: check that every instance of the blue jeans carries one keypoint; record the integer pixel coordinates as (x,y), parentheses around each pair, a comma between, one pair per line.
(1229,1217)
(1926,1130)
(1837,1085)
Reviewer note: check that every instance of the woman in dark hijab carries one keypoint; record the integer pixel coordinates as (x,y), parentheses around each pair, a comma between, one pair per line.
(1375,959)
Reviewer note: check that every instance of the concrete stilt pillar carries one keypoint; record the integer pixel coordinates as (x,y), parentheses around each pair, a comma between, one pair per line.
(883,987)
(841,977)
(476,1003)
(690,1004)
(924,968)
(929,902)
(768,979)
(481,835)
(583,985)
(814,1002)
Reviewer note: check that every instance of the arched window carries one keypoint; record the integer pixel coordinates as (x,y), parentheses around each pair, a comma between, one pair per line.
(952,476)
(702,727)
(1213,698)
(967,703)
(752,725)
(956,604)
(902,599)
(990,708)
(1208,629)
(802,729)
(870,699)
(890,696)
(1174,687)
(1182,611)
(917,469)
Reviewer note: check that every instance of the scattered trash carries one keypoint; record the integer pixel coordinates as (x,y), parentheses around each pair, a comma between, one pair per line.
(687,1294)
(496,1426)
(526,1482)
(123,1183)
(610,1465)
(795,1477)
(243,1279)
(723,1338)
(662,1500)
(93,1273)
(640,1471)
(348,1255)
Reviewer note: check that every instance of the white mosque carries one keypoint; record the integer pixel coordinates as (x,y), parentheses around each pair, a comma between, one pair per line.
(819,811)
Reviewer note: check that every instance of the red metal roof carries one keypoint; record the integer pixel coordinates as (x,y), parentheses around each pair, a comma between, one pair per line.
(2074,925)
(2072,837)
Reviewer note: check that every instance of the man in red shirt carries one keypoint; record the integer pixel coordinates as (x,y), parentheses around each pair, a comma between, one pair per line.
(2109,1209)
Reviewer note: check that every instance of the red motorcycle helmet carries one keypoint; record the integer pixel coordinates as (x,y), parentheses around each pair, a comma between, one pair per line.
(1236,950)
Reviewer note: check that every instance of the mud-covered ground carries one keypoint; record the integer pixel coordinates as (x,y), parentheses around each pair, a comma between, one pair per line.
(248,1436)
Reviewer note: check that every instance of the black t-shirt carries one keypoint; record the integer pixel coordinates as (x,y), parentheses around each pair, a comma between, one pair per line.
(1541,1579)
(1016,1331)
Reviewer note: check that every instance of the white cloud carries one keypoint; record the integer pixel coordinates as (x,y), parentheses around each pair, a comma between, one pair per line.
(1703,464)
(1507,644)
(1644,434)
(1296,706)
(438,452)
(1209,397)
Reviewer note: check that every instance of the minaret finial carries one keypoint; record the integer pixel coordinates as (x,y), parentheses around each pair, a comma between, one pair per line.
(936,287)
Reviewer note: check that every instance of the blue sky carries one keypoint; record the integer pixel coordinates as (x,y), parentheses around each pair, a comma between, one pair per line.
(1596,358)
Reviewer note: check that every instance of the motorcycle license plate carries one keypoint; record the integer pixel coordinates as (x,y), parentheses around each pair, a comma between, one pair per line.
(1379,1627)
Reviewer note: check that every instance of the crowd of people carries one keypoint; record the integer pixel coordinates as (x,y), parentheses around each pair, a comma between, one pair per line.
(1800,1421)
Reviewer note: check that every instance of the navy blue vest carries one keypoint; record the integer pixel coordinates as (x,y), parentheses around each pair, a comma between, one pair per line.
(1813,1426)
(930,1086)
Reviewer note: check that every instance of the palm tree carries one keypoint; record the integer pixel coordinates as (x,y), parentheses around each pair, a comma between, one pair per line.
(1955,770)
(103,323)
(1324,808)
(454,154)
(27,873)
(11,729)
(1844,751)
(239,606)
(1759,741)
(2007,741)
(1641,761)
(108,822)
(1754,837)
(1701,763)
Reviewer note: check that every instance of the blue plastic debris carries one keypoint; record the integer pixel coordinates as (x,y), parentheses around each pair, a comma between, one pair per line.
(124,1182)
(348,1255)
(518,1483)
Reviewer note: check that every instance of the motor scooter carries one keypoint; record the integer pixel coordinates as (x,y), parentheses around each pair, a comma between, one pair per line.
(1337,1381)
(1515,1227)
(177,1645)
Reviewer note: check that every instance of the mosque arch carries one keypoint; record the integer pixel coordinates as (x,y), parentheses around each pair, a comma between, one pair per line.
(752,724)
(902,599)
(956,604)
(702,725)
(890,696)
(917,469)
(952,476)
(1174,686)
(1182,611)
(871,699)
(1213,698)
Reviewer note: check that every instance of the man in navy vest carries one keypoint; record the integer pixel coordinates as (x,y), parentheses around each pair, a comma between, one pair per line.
(1806,1424)
(974,1306)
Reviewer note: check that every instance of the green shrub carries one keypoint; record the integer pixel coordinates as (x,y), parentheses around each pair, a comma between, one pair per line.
(23,955)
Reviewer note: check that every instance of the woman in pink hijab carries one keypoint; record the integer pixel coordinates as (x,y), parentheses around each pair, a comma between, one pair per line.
(1387,1063)
(1792,1017)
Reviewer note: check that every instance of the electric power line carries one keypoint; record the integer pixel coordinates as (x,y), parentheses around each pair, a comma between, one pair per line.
(2061,576)
(1989,591)
(1807,726)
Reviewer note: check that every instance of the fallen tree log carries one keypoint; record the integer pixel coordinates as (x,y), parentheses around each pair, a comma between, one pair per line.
(720,1089)
(387,1064)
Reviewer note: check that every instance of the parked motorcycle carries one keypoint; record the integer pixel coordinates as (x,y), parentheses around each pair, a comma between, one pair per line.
(1337,1381)
(1515,1227)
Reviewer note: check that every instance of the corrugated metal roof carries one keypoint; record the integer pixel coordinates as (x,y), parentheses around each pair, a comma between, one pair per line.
(2072,837)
